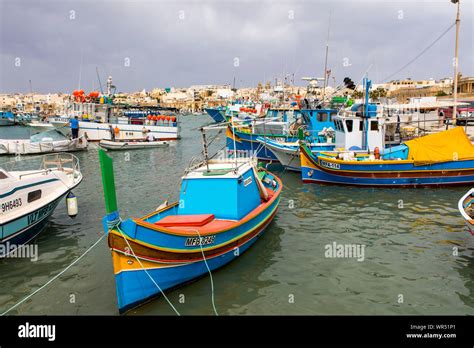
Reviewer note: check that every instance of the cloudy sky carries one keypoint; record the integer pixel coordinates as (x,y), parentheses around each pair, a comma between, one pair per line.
(58,44)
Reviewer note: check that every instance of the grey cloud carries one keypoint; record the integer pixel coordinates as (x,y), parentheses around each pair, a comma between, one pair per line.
(165,50)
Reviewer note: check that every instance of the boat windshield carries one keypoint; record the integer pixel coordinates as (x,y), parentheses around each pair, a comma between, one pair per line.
(50,135)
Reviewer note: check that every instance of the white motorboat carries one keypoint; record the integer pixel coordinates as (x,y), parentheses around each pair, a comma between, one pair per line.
(30,190)
(131,144)
(44,142)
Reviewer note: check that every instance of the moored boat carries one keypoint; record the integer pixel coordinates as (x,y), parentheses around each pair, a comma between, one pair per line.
(7,118)
(45,142)
(279,125)
(30,190)
(440,159)
(131,144)
(288,153)
(466,208)
(185,240)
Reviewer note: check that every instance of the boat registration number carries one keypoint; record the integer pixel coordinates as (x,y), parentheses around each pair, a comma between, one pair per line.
(41,213)
(197,241)
(10,205)
(330,165)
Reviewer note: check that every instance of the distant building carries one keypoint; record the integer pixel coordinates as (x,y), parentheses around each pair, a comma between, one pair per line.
(466,85)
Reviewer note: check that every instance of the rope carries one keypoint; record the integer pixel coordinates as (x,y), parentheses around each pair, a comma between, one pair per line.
(421,53)
(210,274)
(148,274)
(54,278)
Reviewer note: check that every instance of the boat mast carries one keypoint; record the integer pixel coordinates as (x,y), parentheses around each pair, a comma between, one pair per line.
(367,83)
(204,148)
(456,50)
(326,60)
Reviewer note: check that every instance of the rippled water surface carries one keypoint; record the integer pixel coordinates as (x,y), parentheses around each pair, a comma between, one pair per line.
(411,237)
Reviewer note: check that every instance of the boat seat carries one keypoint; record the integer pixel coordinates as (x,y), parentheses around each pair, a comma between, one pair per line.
(185,220)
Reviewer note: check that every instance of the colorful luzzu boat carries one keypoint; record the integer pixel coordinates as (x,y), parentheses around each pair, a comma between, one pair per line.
(466,208)
(224,206)
(252,138)
(445,158)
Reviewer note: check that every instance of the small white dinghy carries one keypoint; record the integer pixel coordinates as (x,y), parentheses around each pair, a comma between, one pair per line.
(30,190)
(466,208)
(131,144)
(44,142)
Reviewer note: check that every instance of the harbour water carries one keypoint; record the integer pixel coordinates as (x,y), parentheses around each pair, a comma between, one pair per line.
(418,256)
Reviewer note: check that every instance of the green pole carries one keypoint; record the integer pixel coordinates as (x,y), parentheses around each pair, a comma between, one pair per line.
(108,182)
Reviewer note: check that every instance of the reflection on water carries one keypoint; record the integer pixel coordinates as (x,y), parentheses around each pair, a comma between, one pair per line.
(411,238)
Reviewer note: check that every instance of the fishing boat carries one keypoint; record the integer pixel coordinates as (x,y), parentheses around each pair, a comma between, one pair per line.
(280,124)
(466,208)
(97,115)
(96,121)
(131,144)
(224,206)
(278,132)
(440,159)
(30,190)
(7,118)
(44,142)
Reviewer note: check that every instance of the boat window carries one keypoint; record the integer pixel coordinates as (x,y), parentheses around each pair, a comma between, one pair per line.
(3,175)
(374,125)
(349,125)
(331,116)
(361,126)
(322,117)
(34,195)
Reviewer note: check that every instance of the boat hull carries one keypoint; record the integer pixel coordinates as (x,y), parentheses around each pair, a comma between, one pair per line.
(248,144)
(6,122)
(216,114)
(15,147)
(131,145)
(134,287)
(319,169)
(289,154)
(464,206)
(150,258)
(98,131)
(24,230)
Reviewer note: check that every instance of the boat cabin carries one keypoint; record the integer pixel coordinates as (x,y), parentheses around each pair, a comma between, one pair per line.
(225,191)
(351,132)
(318,119)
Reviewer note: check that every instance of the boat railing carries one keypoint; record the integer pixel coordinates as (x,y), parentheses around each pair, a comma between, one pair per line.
(194,163)
(36,164)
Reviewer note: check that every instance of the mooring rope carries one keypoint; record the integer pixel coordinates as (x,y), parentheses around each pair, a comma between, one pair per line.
(54,278)
(210,273)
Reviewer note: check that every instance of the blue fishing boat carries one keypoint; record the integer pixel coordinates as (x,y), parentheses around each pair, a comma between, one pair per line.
(30,192)
(280,125)
(7,118)
(224,206)
(440,159)
(217,114)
